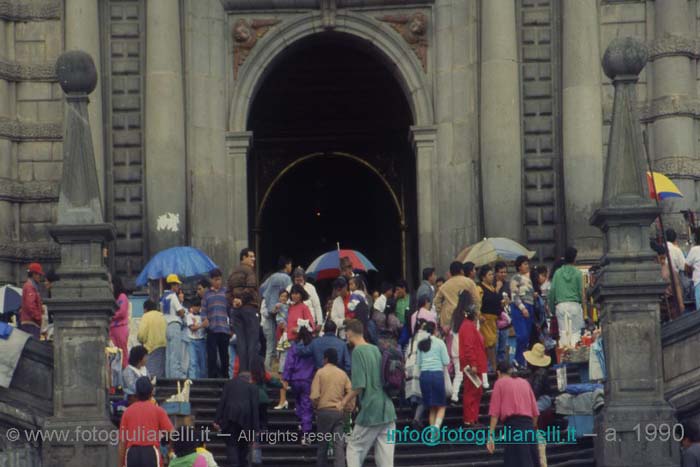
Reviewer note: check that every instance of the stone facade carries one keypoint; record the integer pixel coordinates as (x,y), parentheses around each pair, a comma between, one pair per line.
(510,114)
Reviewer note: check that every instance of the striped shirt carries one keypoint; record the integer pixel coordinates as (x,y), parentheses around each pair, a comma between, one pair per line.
(215,309)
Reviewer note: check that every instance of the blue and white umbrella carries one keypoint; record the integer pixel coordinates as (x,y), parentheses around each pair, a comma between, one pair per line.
(185,261)
(10,299)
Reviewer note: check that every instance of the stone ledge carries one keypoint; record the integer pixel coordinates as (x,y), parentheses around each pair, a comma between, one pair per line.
(13,71)
(248,5)
(678,167)
(12,10)
(674,46)
(16,130)
(669,106)
(23,252)
(28,192)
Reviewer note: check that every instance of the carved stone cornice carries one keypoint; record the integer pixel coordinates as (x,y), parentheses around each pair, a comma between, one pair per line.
(13,71)
(20,252)
(251,5)
(678,166)
(414,30)
(669,106)
(13,10)
(16,130)
(245,35)
(28,192)
(672,45)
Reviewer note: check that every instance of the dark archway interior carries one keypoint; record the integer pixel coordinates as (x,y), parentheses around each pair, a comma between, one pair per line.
(355,210)
(331,93)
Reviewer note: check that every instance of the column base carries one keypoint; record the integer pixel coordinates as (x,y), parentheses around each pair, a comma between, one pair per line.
(93,443)
(629,436)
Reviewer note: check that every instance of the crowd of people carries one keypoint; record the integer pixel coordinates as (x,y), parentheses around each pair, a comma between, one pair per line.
(428,348)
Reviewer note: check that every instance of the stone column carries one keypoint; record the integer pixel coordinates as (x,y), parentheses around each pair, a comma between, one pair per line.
(7,170)
(630,286)
(582,125)
(423,139)
(83,33)
(237,146)
(82,302)
(166,172)
(501,144)
(674,95)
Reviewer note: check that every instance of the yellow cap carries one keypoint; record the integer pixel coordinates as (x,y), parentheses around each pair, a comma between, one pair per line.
(172,279)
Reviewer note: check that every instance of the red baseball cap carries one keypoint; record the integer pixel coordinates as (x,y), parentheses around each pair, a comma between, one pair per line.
(35,268)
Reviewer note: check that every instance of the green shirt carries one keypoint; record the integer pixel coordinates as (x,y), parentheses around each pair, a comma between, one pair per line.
(375,406)
(402,305)
(185,461)
(567,286)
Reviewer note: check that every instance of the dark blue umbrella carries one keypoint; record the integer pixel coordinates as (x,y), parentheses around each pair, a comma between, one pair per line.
(10,299)
(184,261)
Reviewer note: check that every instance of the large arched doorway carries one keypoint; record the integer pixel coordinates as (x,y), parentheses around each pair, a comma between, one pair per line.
(332,96)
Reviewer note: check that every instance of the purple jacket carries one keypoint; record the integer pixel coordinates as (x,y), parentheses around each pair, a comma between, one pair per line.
(298,368)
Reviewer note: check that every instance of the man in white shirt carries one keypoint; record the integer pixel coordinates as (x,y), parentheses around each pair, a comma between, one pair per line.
(386,291)
(676,254)
(198,344)
(692,266)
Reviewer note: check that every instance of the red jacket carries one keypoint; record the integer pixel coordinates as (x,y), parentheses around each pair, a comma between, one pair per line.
(296,312)
(32,310)
(471,348)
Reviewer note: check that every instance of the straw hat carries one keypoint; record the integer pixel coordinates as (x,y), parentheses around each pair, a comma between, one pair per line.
(537,357)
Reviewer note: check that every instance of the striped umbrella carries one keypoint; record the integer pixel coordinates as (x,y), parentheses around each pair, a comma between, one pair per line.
(493,249)
(327,266)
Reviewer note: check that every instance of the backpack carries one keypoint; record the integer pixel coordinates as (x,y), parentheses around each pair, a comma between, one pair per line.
(393,371)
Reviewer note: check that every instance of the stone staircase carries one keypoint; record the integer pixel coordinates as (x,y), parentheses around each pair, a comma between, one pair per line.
(205,394)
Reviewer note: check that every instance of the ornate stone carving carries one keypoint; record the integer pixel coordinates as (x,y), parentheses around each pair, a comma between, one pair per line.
(19,252)
(671,45)
(669,106)
(245,36)
(679,166)
(17,130)
(27,192)
(13,10)
(414,30)
(13,71)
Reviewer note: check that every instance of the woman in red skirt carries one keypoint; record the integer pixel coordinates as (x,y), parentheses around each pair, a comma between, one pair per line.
(472,358)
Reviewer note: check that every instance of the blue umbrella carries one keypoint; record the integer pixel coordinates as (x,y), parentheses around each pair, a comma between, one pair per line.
(184,261)
(10,299)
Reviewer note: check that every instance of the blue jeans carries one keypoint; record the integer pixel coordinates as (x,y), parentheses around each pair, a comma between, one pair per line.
(697,296)
(198,359)
(522,327)
(176,351)
(231,355)
(502,344)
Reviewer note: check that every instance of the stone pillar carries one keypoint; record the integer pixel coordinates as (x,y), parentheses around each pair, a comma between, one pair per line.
(166,167)
(674,93)
(237,146)
(82,302)
(423,139)
(501,144)
(630,286)
(582,125)
(83,33)
(7,171)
